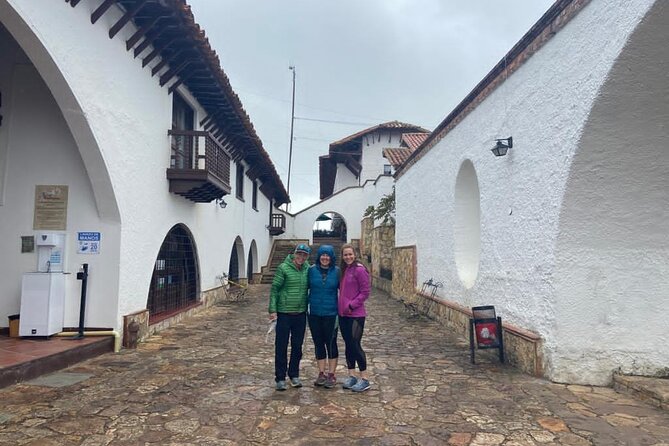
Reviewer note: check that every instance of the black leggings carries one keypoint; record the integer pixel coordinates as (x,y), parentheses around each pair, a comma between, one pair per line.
(289,328)
(351,331)
(324,333)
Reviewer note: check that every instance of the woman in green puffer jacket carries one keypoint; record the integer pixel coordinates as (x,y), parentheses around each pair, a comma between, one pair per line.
(288,306)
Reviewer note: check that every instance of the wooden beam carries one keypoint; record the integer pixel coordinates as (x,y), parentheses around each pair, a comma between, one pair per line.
(148,41)
(156,51)
(101,10)
(141,32)
(130,13)
(165,78)
(180,81)
(205,120)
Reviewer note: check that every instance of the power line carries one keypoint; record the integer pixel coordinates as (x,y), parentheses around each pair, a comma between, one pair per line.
(334,122)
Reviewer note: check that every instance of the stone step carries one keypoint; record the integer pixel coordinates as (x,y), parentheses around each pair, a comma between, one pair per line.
(651,390)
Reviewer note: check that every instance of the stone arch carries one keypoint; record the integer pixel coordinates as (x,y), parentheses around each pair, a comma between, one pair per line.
(236,267)
(70,107)
(467,224)
(252,263)
(175,282)
(612,249)
(329,227)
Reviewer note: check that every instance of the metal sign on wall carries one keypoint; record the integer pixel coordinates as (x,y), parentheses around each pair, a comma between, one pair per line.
(50,207)
(89,242)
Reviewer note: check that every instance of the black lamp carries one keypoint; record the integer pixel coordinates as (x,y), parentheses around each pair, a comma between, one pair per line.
(221,202)
(502,145)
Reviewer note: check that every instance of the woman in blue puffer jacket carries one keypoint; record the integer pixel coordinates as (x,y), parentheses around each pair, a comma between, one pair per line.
(323,321)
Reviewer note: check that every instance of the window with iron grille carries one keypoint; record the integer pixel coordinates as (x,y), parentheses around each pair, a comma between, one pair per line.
(254,197)
(239,190)
(174,282)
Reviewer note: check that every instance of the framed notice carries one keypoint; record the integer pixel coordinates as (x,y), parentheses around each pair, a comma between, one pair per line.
(50,207)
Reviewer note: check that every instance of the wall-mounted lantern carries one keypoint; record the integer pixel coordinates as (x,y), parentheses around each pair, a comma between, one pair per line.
(502,145)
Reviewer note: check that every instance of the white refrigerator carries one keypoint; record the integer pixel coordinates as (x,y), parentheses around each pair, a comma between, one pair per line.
(42,304)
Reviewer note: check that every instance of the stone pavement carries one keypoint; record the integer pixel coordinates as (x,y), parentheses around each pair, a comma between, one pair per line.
(209,381)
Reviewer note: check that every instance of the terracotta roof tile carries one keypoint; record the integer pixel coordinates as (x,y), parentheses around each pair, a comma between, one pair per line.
(385,125)
(397,156)
(414,140)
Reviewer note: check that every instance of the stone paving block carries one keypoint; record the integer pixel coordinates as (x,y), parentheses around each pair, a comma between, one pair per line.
(59,379)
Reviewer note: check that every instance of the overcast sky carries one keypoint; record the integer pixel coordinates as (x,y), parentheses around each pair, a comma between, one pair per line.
(358,63)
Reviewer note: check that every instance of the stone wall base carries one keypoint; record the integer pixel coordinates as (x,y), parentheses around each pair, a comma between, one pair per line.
(207,299)
(382,284)
(522,348)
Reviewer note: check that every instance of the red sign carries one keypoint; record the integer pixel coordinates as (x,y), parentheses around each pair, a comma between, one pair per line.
(486,334)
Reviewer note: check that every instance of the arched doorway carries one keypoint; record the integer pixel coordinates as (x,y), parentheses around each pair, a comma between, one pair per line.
(252,263)
(175,280)
(329,228)
(236,266)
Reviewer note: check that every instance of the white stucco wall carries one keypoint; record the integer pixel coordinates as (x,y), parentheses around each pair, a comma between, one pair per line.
(350,203)
(42,151)
(100,87)
(544,106)
(372,152)
(344,178)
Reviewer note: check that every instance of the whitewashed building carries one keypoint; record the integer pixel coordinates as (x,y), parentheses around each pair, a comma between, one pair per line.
(568,234)
(121,132)
(354,175)
(359,157)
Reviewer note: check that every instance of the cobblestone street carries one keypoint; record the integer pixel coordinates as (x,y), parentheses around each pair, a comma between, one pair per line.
(210,381)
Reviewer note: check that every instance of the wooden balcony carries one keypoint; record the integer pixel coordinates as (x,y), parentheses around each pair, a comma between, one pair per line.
(199,167)
(277,224)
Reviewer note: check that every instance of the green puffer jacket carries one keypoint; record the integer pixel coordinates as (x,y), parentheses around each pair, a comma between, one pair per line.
(289,288)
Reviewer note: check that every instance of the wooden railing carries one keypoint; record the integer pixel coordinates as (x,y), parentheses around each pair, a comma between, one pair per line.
(197,150)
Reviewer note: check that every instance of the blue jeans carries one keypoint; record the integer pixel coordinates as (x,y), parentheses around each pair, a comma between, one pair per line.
(289,327)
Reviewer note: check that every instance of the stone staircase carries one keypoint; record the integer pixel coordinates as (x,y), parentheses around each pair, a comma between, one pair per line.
(336,243)
(280,249)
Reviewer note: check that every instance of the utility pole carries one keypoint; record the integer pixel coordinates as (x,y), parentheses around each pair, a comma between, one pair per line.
(292,122)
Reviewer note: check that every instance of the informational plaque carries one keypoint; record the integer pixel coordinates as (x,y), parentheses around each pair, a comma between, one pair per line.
(50,208)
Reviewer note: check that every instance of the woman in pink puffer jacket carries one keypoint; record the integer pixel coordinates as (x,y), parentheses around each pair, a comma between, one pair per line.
(353,292)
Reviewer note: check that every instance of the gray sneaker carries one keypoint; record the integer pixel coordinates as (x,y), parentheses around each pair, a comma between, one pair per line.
(361,386)
(330,381)
(296,382)
(281,385)
(350,382)
(321,380)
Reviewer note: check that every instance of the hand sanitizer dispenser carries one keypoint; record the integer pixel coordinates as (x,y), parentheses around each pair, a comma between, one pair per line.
(50,252)
(43,292)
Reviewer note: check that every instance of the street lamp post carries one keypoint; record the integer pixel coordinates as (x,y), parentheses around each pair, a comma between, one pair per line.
(292,123)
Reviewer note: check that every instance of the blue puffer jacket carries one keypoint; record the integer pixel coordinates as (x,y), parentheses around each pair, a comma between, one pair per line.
(323,285)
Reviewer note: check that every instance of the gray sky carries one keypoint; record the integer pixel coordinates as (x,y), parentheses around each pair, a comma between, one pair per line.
(360,62)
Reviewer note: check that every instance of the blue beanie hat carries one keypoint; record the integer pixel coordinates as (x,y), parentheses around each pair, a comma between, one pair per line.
(303,248)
